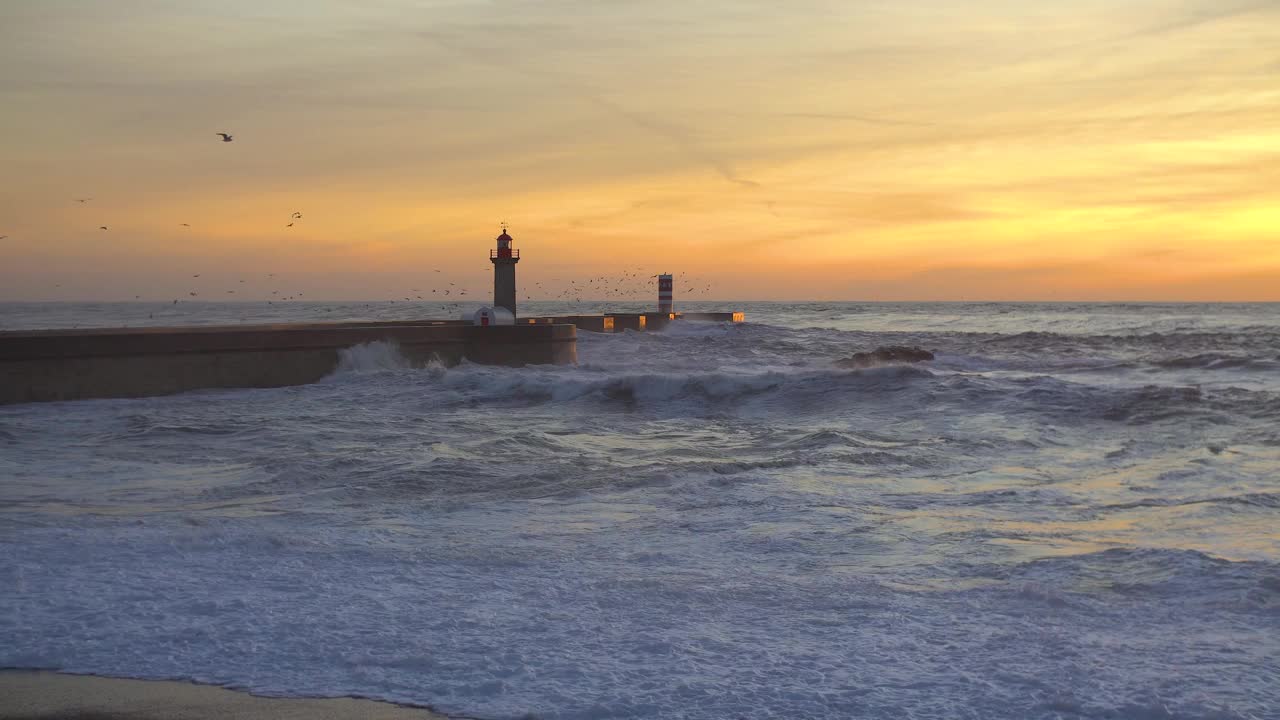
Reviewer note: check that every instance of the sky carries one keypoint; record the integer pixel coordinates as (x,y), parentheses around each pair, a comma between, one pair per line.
(813,149)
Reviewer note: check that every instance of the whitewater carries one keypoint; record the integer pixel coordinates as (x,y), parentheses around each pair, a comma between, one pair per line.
(1072,512)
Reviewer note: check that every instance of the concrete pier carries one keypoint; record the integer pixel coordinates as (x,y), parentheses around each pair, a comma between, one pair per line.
(43,365)
(590,323)
(47,365)
(617,322)
(658,320)
(630,321)
(734,317)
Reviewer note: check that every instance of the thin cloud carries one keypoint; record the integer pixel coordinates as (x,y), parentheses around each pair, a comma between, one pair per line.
(866,119)
(677,136)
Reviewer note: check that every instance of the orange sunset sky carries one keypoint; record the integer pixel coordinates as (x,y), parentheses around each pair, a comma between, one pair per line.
(915,149)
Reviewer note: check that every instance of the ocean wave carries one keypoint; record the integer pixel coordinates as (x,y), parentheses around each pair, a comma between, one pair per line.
(813,391)
(473,384)
(1267,500)
(1218,361)
(372,357)
(1157,403)
(1195,351)
(1151,573)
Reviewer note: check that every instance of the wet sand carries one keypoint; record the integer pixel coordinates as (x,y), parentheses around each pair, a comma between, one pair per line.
(30,695)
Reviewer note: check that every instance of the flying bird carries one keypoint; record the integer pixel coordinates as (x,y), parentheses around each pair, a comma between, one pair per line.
(102,227)
(82,200)
(2,237)
(186,224)
(296,216)
(289,225)
(226,137)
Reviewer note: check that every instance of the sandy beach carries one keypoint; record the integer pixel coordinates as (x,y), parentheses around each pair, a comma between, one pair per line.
(48,696)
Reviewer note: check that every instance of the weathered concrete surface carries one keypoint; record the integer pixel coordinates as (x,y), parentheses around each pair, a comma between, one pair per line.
(658,320)
(629,321)
(613,322)
(137,362)
(735,317)
(591,323)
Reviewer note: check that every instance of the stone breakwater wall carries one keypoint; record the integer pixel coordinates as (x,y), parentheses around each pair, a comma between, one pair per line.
(47,365)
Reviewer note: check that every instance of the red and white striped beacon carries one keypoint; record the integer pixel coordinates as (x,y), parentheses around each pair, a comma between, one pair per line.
(665,303)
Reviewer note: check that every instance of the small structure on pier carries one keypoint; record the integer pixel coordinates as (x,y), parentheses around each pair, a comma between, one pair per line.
(665,303)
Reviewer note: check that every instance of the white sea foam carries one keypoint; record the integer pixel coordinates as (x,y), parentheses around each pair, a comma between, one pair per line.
(379,356)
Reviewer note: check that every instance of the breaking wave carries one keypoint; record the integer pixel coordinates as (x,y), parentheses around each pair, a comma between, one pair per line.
(372,357)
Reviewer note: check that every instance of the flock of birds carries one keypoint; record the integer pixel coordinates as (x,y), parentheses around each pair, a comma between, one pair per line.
(630,285)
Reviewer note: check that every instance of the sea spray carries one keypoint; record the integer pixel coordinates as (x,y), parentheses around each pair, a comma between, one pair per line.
(371,357)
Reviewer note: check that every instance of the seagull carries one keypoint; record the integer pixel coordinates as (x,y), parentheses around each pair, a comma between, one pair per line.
(225,136)
(289,225)
(296,216)
(102,227)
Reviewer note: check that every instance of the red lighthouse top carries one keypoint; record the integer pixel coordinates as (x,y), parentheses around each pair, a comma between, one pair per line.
(504,247)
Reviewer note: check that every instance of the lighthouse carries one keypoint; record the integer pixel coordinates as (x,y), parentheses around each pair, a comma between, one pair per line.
(665,304)
(504,260)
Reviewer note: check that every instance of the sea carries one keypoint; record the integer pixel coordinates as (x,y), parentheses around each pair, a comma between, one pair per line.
(1072,512)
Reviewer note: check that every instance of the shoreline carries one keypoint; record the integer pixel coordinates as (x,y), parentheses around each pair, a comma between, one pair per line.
(51,695)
